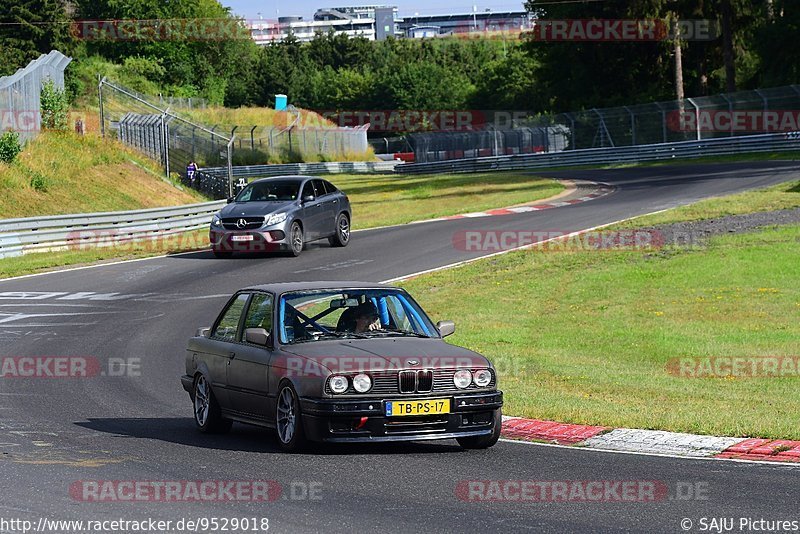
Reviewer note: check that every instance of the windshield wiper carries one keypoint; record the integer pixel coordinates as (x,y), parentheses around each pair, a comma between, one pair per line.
(386,331)
(340,335)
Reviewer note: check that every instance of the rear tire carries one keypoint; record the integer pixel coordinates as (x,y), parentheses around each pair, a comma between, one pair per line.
(484,442)
(296,239)
(289,420)
(207,413)
(342,236)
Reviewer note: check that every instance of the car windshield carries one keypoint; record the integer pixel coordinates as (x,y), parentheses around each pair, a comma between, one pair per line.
(307,316)
(269,191)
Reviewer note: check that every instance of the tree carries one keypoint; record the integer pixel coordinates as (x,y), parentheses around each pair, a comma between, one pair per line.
(30,28)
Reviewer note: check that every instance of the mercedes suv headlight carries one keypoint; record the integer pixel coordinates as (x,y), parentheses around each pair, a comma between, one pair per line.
(216,221)
(276,218)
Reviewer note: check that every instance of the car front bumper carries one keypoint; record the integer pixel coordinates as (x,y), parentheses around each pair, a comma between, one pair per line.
(264,239)
(364,420)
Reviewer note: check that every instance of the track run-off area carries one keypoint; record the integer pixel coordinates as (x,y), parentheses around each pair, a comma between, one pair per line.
(131,421)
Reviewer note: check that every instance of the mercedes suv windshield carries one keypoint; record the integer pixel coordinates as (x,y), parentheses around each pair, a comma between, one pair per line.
(269,191)
(358,313)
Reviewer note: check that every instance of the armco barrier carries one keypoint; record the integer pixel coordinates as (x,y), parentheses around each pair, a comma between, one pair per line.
(777,142)
(40,234)
(313,169)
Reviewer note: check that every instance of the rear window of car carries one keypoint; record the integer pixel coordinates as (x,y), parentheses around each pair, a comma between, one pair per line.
(329,187)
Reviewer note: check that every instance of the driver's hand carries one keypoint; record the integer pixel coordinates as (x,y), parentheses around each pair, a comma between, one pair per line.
(375,325)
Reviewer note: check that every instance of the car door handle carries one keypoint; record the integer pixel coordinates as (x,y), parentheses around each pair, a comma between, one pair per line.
(231,355)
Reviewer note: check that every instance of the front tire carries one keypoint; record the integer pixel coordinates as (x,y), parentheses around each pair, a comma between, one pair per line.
(342,236)
(207,413)
(484,442)
(288,420)
(296,239)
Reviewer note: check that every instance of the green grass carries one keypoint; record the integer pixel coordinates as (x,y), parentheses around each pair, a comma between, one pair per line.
(586,336)
(777,197)
(381,200)
(66,173)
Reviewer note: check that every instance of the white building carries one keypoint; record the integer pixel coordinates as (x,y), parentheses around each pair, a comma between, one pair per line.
(355,21)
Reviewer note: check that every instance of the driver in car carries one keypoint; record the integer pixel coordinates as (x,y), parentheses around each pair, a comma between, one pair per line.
(366,318)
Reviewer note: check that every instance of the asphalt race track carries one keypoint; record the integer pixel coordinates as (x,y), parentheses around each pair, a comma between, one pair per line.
(55,432)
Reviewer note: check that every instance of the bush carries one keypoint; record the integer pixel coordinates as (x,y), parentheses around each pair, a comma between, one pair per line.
(39,181)
(54,106)
(10,146)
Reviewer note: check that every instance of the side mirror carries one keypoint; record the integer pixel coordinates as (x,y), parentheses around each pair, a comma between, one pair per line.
(256,336)
(204,331)
(308,198)
(446,328)
(230,199)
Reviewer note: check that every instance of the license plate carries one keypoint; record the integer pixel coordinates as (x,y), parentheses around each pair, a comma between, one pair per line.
(417,407)
(241,238)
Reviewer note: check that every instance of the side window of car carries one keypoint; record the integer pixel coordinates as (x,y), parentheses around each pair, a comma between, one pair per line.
(329,187)
(320,188)
(259,315)
(308,189)
(228,326)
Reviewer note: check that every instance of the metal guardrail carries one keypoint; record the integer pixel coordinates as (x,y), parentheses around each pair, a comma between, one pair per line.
(777,142)
(284,169)
(79,231)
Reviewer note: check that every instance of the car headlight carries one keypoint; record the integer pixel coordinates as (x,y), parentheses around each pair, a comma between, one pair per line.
(462,379)
(482,378)
(362,383)
(276,218)
(216,221)
(338,384)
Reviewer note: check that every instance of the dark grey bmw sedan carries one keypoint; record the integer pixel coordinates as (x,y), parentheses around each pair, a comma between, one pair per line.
(282,213)
(339,362)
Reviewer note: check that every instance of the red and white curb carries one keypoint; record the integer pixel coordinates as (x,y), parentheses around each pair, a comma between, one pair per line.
(601,189)
(651,441)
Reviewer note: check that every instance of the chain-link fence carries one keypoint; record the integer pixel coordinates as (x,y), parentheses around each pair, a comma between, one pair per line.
(489,142)
(20,93)
(725,115)
(166,137)
(190,102)
(292,143)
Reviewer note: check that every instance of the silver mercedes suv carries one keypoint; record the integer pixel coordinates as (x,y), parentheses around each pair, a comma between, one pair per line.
(281,213)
